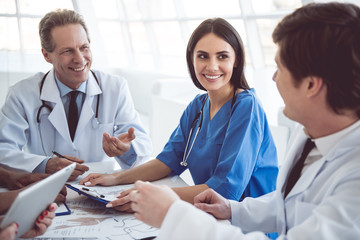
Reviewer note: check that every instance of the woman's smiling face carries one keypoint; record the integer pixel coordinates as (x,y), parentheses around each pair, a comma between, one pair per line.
(214,61)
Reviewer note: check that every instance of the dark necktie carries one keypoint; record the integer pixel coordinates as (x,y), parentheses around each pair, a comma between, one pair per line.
(295,172)
(73,114)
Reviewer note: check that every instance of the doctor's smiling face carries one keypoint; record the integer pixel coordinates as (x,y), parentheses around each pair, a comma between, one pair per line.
(71,57)
(214,61)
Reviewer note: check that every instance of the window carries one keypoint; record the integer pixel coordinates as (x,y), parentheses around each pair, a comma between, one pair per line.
(149,35)
(145,34)
(20,43)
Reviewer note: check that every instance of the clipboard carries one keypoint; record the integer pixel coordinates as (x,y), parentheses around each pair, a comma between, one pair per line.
(62,210)
(89,193)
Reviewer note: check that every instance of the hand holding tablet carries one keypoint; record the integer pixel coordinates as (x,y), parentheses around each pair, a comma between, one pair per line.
(32,201)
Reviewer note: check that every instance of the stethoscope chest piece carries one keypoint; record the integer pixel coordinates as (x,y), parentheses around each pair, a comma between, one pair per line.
(183,163)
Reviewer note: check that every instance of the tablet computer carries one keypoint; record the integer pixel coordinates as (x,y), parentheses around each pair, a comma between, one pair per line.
(30,202)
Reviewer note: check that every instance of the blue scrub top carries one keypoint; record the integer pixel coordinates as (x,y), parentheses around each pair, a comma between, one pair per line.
(238,160)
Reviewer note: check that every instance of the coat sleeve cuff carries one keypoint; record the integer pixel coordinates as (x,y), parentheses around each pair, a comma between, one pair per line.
(127,159)
(42,166)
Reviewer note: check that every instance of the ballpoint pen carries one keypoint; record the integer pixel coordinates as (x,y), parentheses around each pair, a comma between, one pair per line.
(87,189)
(61,156)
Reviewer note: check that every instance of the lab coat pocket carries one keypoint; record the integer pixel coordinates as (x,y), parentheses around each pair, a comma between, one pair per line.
(107,128)
(302,211)
(103,128)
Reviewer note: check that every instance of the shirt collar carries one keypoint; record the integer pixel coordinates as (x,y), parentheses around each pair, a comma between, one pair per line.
(65,89)
(325,144)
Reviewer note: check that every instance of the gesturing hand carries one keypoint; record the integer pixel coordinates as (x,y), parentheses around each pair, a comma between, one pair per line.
(115,146)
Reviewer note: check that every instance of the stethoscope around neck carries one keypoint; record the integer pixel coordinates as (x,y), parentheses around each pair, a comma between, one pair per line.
(47,106)
(200,114)
(95,122)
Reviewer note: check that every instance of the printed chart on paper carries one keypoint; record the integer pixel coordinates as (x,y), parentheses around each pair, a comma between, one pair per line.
(89,219)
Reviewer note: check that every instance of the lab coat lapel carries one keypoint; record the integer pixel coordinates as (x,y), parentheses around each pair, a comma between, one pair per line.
(310,174)
(307,178)
(89,106)
(57,117)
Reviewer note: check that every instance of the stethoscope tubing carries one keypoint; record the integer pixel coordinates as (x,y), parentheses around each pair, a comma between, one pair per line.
(184,160)
(200,114)
(45,105)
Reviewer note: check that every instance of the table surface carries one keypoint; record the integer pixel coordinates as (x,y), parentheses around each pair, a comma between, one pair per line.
(90,219)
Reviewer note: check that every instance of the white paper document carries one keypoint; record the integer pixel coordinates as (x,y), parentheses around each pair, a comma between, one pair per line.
(90,219)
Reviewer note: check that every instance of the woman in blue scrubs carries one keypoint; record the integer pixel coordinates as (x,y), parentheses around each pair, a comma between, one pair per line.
(232,151)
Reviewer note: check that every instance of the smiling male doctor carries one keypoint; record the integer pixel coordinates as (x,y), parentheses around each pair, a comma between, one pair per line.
(82,114)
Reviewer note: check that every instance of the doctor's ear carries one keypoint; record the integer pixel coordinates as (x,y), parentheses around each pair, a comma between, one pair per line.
(46,55)
(314,85)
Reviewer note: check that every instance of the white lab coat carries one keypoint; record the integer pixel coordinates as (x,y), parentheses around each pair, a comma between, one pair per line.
(24,143)
(324,204)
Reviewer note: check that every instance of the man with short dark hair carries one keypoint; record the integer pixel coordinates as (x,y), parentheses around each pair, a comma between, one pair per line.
(318,188)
